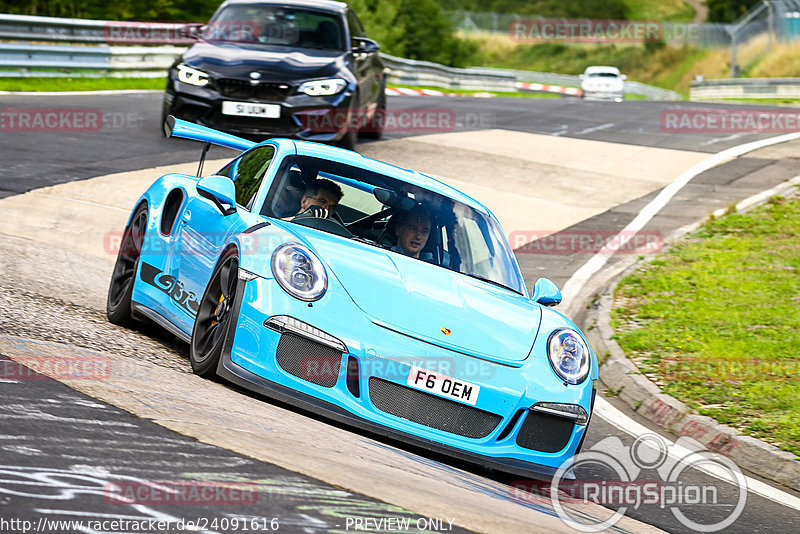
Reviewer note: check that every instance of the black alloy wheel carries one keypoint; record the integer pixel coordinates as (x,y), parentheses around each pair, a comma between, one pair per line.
(118,303)
(214,316)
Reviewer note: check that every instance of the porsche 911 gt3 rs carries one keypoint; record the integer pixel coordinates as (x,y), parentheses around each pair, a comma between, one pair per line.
(281,287)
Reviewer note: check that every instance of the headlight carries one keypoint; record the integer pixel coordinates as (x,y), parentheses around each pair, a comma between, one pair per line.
(568,355)
(299,272)
(323,87)
(192,76)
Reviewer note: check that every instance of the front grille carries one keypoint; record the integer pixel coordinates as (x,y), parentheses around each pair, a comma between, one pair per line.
(430,410)
(271,91)
(544,432)
(309,360)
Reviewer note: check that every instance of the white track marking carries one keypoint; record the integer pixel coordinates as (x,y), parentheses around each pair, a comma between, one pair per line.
(625,424)
(596,128)
(719,139)
(579,279)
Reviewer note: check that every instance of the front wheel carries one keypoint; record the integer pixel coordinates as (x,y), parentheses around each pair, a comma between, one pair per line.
(118,303)
(374,129)
(214,316)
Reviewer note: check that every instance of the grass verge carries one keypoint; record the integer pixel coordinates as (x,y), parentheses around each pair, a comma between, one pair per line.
(42,84)
(715,321)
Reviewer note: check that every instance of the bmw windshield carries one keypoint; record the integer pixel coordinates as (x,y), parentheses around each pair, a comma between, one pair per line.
(388,213)
(276,26)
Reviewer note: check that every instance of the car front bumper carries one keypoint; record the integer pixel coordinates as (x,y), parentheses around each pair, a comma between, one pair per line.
(303,117)
(366,384)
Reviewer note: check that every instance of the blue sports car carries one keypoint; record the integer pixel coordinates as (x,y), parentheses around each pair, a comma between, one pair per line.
(376,295)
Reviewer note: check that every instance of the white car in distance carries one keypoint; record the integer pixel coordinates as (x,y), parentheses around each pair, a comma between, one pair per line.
(603,83)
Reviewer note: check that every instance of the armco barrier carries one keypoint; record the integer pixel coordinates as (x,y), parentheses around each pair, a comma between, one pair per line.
(96,48)
(756,88)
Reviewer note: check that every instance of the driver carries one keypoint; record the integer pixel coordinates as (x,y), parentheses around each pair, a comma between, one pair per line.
(412,230)
(320,198)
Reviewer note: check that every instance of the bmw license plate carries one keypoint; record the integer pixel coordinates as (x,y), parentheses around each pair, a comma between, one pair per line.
(249,109)
(443,385)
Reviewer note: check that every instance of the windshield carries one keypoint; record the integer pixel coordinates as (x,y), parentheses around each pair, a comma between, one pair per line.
(393,215)
(603,75)
(276,25)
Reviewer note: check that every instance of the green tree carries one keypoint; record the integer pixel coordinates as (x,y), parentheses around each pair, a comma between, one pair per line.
(415,29)
(728,10)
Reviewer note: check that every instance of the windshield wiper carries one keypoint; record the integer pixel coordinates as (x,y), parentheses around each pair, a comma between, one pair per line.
(484,279)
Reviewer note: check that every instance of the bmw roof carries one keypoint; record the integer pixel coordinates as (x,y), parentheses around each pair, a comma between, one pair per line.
(329,5)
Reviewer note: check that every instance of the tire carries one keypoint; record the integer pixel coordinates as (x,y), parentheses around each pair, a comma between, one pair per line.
(378,121)
(214,316)
(118,302)
(349,139)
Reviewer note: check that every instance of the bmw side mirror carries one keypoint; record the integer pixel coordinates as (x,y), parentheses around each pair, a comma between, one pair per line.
(546,292)
(363,45)
(219,190)
(192,31)
(624,77)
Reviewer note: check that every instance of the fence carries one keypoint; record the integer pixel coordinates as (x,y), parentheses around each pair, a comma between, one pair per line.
(96,49)
(777,19)
(738,88)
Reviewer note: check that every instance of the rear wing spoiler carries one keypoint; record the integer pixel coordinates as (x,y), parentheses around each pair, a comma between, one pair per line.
(188,130)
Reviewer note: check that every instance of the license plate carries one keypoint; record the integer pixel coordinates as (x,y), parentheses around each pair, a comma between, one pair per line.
(247,109)
(443,385)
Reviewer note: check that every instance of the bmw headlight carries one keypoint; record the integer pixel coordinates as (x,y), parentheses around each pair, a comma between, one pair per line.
(299,272)
(568,355)
(323,87)
(192,76)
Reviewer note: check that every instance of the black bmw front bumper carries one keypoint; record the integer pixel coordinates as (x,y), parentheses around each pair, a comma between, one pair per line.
(323,118)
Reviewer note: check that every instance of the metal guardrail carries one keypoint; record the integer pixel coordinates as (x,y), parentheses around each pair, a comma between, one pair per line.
(414,72)
(51,29)
(756,88)
(426,73)
(91,53)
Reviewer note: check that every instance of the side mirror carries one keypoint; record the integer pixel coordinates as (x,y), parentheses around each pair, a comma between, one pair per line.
(624,77)
(192,31)
(363,45)
(219,190)
(546,293)
(582,76)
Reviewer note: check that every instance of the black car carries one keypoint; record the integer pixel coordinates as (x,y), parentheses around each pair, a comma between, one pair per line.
(281,68)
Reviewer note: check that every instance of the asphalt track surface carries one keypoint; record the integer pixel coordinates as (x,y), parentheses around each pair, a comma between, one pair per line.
(129,138)
(32,443)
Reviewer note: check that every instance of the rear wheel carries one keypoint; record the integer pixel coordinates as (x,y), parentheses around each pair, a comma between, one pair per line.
(214,316)
(118,303)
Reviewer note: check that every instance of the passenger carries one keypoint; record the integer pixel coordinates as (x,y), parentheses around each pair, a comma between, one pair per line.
(320,198)
(412,229)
